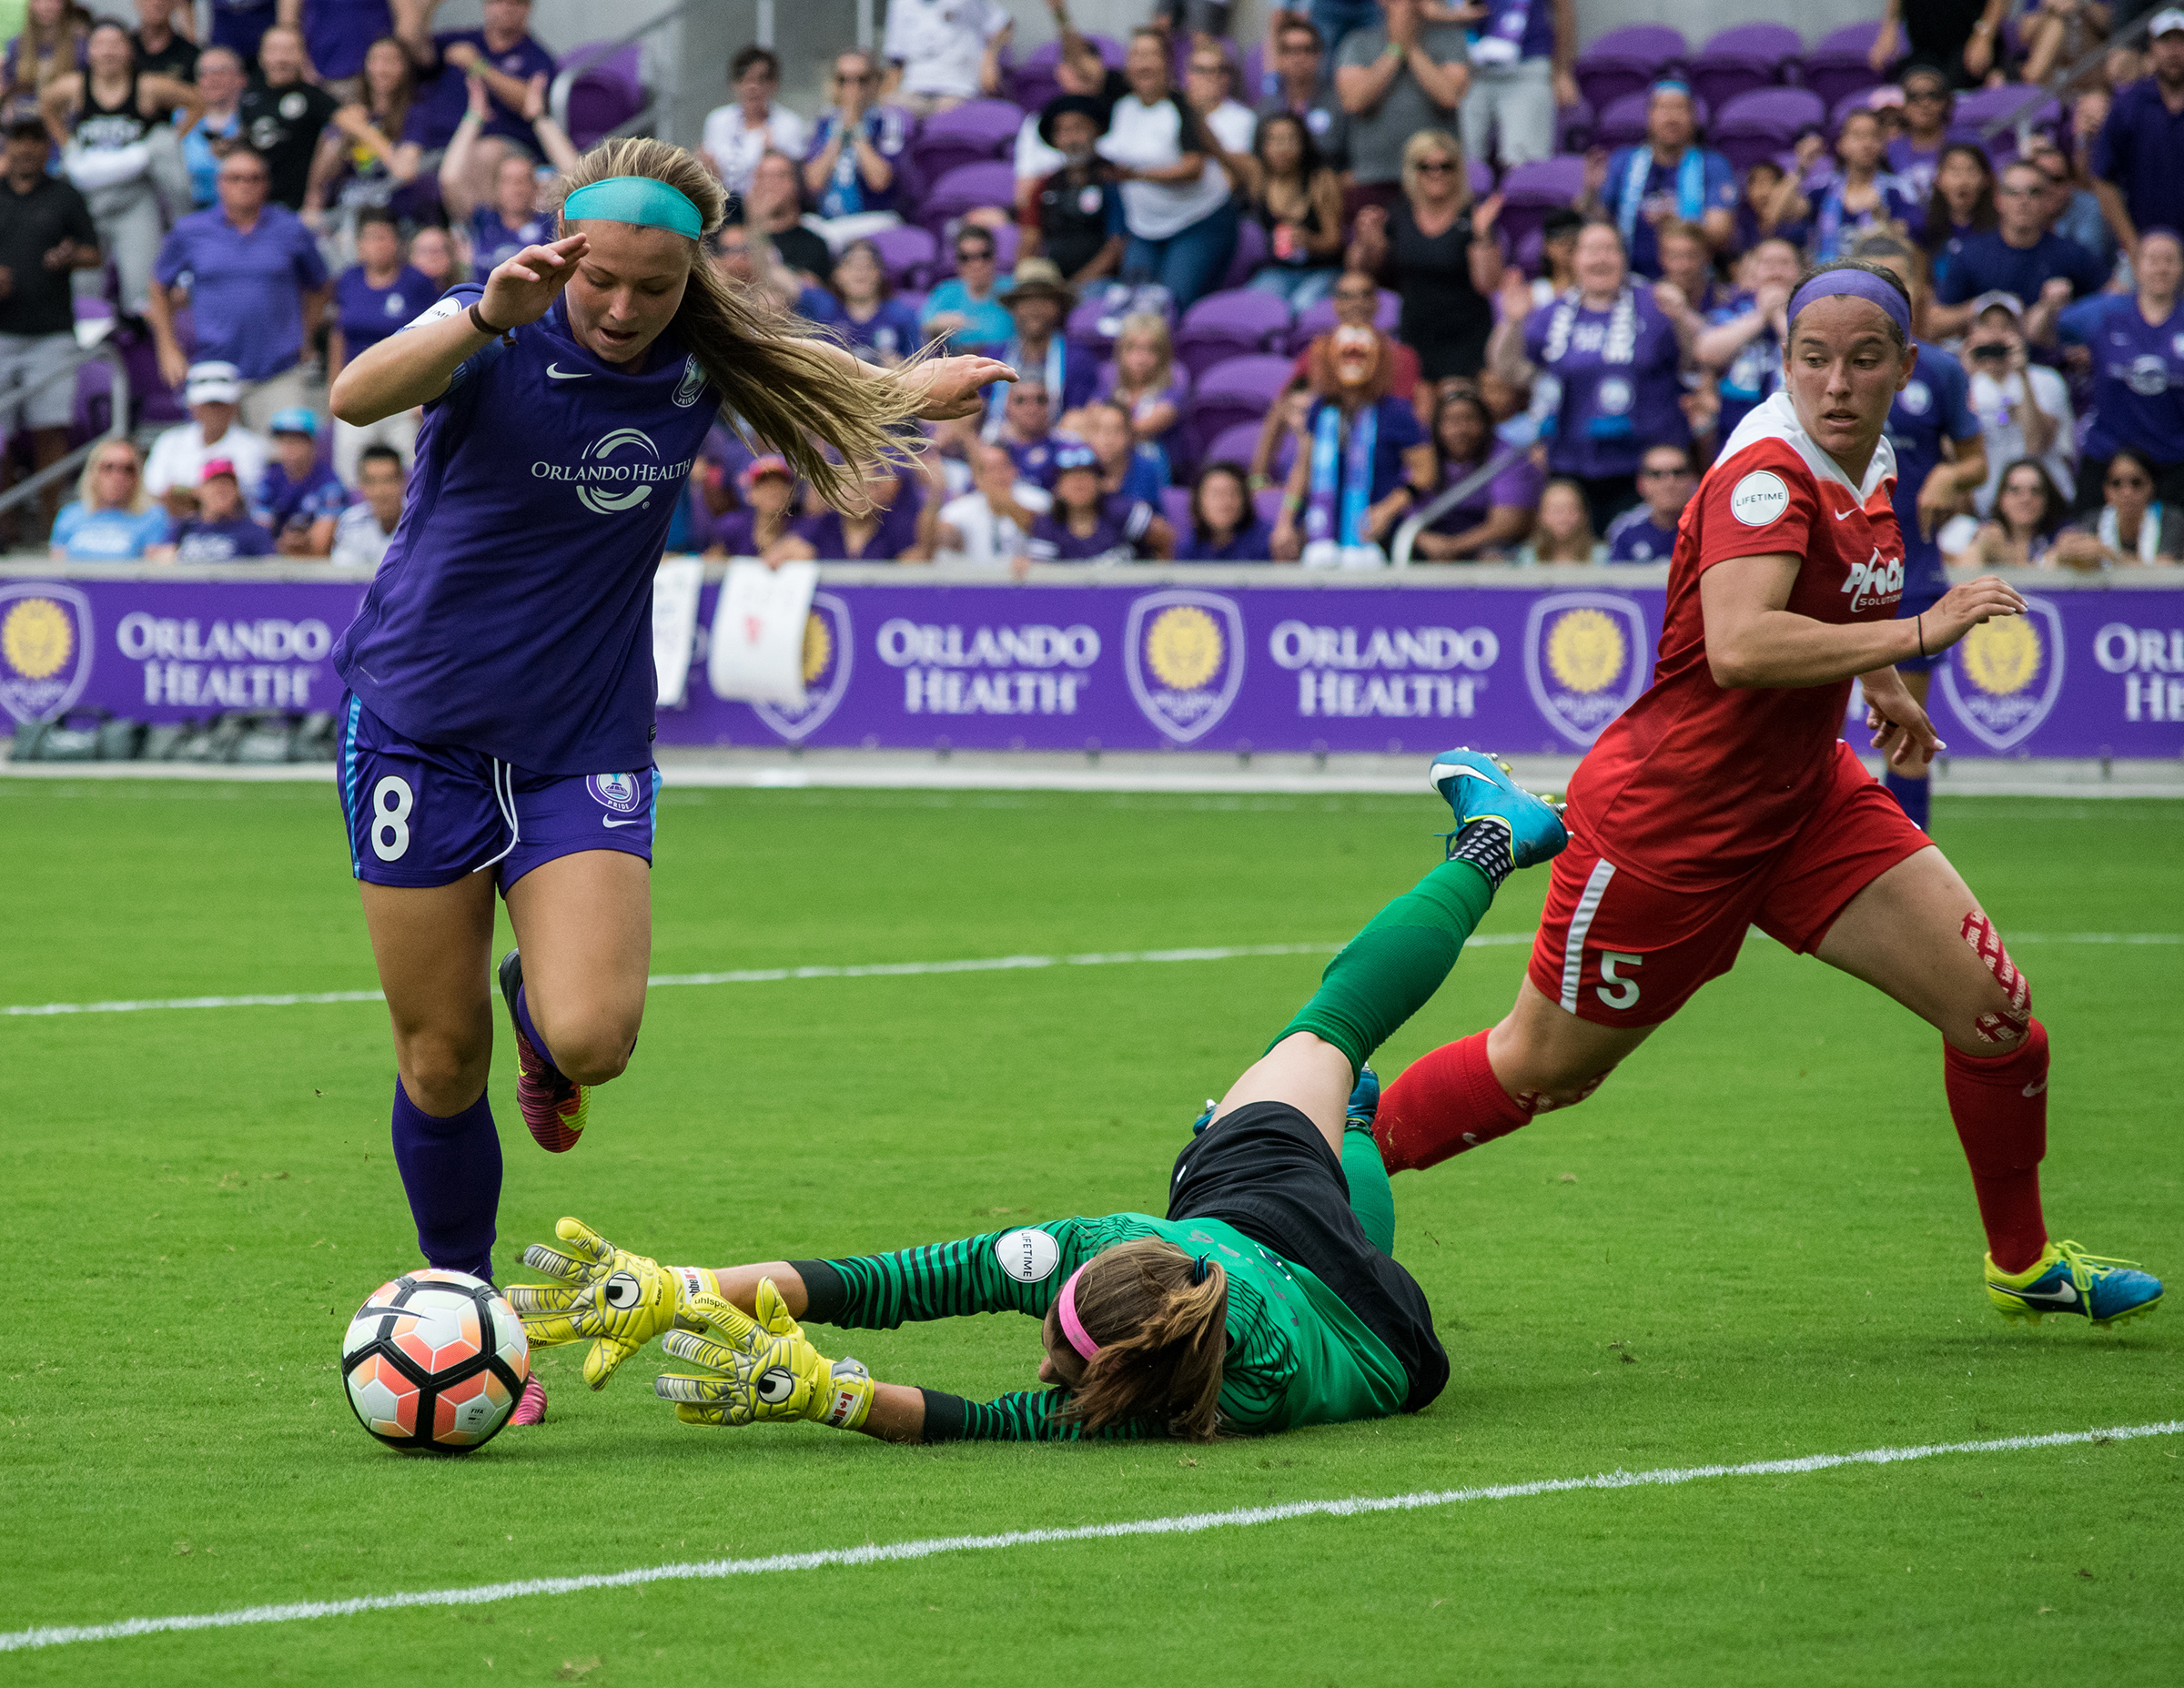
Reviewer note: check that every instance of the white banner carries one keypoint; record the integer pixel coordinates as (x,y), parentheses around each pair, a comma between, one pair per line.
(756,652)
(675,589)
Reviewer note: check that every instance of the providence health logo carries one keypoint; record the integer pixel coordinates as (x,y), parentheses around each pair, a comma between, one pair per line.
(617,471)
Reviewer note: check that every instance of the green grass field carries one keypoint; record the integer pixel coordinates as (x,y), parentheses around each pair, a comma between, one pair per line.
(1757,1242)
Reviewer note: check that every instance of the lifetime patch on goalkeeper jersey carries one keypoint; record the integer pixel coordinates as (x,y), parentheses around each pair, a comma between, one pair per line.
(1027,1255)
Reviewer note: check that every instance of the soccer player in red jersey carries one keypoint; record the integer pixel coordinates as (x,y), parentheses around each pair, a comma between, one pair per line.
(1725,797)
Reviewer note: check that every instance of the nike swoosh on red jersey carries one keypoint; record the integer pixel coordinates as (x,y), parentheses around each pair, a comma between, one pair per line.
(1843,515)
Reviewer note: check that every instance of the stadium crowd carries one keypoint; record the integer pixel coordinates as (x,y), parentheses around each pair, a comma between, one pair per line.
(1267,300)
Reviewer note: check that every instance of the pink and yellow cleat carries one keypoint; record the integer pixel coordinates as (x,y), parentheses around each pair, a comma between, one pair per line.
(555,1108)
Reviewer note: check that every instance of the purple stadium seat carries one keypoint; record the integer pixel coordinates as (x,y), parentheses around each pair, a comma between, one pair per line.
(1233,394)
(1317,320)
(906,255)
(1235,445)
(1226,325)
(1736,61)
(93,395)
(1249,256)
(1858,99)
(604,95)
(1083,330)
(1623,61)
(1253,87)
(1266,503)
(970,133)
(968,187)
(1532,190)
(1759,125)
(1623,123)
(1574,126)
(1483,178)
(1838,66)
(1175,504)
(1981,106)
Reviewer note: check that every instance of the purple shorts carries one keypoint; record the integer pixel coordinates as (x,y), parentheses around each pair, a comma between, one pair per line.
(427,814)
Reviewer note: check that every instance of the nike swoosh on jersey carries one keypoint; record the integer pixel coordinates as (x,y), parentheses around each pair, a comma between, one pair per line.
(1843,515)
(2035,1088)
(637,820)
(555,372)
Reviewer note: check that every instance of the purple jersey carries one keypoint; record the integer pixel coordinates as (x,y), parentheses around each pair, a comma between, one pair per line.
(1935,405)
(891,330)
(444,98)
(2137,375)
(896,533)
(284,503)
(513,614)
(1252,543)
(1616,370)
(1051,540)
(338,32)
(1635,537)
(221,541)
(494,242)
(1519,484)
(1034,461)
(367,314)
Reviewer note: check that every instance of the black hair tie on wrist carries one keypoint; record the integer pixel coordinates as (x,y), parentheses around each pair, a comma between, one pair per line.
(479,322)
(1919,621)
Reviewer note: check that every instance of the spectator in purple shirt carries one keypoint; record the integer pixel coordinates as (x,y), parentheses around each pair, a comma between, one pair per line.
(1497,517)
(256,284)
(300,498)
(503,54)
(1224,528)
(768,515)
(882,329)
(221,531)
(1082,527)
(885,531)
(337,33)
(373,298)
(1027,428)
(1647,532)
(2136,158)
(511,218)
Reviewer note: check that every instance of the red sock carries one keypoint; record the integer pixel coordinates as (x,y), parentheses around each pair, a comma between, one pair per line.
(1999,1103)
(1443,1103)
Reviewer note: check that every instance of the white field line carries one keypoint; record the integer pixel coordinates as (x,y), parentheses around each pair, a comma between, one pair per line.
(1187,1523)
(905,969)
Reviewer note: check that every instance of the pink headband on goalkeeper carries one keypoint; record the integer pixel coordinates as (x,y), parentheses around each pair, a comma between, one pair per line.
(1073,1327)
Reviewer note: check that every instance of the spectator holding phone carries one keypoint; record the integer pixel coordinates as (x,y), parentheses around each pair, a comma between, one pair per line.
(2024,408)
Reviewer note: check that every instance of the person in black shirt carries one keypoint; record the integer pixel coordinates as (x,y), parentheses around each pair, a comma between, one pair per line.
(774,207)
(160,52)
(1437,249)
(45,231)
(283,116)
(1076,214)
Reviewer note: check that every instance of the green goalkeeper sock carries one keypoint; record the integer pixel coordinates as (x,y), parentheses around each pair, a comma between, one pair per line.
(1391,969)
(1371,1197)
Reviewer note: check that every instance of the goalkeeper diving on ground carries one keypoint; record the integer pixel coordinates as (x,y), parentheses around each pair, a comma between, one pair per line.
(1265,1301)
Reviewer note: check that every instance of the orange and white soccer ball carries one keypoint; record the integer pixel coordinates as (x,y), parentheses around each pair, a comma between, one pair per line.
(434,1362)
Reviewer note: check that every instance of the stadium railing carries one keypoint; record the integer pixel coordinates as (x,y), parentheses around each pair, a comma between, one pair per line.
(1443,502)
(2059,81)
(102,349)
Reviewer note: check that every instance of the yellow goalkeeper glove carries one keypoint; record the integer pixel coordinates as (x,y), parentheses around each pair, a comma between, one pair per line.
(616,1300)
(760,1369)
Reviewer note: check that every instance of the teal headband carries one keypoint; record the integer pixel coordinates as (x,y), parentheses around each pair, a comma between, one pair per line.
(639,199)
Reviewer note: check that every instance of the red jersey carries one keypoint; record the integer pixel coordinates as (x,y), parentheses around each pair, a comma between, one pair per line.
(1695,785)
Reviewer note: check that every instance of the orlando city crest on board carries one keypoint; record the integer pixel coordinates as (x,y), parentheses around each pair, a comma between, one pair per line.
(44,649)
(2003,676)
(1586,658)
(1183,655)
(829,641)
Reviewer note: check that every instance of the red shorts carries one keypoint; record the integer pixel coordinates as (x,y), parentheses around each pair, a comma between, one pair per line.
(1615,950)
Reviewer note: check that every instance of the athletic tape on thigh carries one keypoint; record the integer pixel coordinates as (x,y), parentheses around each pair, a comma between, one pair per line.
(1986,943)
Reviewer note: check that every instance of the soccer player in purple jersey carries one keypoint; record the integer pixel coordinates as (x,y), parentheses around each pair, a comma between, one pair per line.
(498,727)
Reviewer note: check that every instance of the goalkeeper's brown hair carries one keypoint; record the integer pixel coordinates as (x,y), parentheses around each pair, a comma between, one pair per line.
(1161,1319)
(776,376)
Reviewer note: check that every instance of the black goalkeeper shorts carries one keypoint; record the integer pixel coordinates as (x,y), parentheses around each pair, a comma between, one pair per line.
(1267,1170)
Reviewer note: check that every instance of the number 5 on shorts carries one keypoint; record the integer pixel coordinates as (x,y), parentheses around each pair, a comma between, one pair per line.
(392,801)
(1625,994)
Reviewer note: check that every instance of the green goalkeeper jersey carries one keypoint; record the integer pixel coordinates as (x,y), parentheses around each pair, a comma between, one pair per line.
(1297,1354)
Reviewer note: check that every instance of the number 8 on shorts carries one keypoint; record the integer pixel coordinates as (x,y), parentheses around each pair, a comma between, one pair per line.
(391,802)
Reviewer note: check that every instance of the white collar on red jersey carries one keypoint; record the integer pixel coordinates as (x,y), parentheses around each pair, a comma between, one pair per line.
(1775,418)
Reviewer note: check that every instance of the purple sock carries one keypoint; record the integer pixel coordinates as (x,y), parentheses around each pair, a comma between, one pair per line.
(1913,795)
(451,1173)
(525,1025)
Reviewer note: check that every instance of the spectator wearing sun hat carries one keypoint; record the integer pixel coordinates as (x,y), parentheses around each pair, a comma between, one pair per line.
(212,392)
(1073,214)
(1039,304)
(300,498)
(221,531)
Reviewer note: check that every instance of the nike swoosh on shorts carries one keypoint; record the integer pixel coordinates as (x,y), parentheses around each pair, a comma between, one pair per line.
(638,822)
(555,372)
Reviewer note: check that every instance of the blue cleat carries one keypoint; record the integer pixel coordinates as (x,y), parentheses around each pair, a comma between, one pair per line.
(1205,1118)
(1477,787)
(1364,1101)
(2067,1279)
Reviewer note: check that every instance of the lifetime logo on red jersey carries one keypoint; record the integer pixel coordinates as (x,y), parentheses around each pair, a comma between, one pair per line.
(1876,581)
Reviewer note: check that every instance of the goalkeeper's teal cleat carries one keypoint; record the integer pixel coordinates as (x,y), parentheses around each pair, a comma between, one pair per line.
(1477,787)
(2067,1279)
(1364,1101)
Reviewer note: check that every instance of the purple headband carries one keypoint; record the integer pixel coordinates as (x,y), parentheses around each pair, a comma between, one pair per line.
(1073,1327)
(1857,284)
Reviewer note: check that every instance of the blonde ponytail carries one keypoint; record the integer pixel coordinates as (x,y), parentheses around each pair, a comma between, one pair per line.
(778,376)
